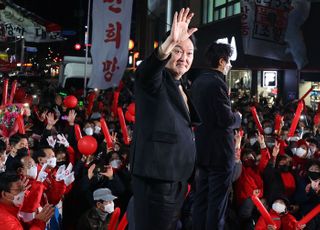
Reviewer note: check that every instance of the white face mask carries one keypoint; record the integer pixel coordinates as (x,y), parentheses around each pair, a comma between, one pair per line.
(18,199)
(115,163)
(267,130)
(109,208)
(32,172)
(300,152)
(97,129)
(294,151)
(52,162)
(278,207)
(88,131)
(252,141)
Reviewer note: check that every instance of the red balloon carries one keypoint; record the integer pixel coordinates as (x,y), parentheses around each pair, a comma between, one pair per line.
(70,101)
(132,108)
(87,145)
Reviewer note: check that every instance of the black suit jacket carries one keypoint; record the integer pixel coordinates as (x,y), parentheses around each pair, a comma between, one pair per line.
(163,144)
(214,137)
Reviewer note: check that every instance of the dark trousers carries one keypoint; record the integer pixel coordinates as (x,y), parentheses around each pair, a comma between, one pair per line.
(211,198)
(157,203)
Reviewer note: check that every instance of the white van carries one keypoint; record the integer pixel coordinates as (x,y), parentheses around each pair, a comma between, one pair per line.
(72,71)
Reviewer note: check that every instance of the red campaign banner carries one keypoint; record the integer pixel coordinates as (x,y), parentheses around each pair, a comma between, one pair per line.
(123,126)
(256,119)
(263,211)
(106,132)
(296,119)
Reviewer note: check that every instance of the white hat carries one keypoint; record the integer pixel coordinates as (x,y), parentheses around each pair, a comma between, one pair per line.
(103,194)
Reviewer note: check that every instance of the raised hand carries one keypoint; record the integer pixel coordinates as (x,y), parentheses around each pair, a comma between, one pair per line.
(71,117)
(180,26)
(42,174)
(62,140)
(276,149)
(50,120)
(25,184)
(90,171)
(51,141)
(108,173)
(46,213)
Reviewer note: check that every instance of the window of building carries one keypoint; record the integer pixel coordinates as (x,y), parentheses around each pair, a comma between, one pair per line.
(214,10)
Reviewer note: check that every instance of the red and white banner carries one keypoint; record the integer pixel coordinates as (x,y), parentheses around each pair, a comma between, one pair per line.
(111,21)
(271,29)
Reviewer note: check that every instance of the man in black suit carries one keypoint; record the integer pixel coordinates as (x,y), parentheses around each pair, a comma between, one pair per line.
(163,148)
(214,140)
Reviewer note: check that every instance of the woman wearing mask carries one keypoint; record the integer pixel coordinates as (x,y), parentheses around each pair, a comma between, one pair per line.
(308,193)
(278,177)
(280,216)
(250,183)
(300,159)
(27,168)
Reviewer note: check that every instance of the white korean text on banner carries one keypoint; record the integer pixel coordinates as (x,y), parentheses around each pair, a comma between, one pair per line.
(271,29)
(14,22)
(111,21)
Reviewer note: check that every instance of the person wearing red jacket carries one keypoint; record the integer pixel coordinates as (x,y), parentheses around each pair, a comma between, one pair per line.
(12,190)
(282,219)
(250,182)
(28,168)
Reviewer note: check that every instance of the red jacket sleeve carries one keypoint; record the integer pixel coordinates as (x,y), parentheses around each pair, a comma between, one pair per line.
(261,224)
(55,191)
(32,200)
(72,156)
(288,222)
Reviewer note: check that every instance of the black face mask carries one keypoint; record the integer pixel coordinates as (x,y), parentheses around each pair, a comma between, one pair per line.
(314,175)
(22,152)
(284,168)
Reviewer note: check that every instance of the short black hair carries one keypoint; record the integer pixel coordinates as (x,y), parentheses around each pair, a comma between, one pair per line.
(215,51)
(13,140)
(6,180)
(37,154)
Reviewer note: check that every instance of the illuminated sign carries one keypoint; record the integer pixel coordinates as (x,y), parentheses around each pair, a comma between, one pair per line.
(270,78)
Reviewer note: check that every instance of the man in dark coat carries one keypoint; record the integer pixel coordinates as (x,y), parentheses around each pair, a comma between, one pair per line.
(214,140)
(163,148)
